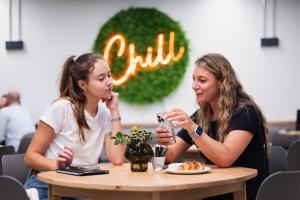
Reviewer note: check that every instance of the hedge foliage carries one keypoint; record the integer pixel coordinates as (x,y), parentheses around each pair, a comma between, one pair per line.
(141,26)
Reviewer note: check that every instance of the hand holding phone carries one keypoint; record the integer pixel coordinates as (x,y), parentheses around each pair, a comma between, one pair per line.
(163,123)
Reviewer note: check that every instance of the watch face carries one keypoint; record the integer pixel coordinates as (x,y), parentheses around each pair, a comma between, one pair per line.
(198,131)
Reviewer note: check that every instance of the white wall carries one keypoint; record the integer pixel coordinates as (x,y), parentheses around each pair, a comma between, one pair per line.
(53,30)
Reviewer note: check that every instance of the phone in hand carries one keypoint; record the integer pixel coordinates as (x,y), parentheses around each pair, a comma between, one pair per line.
(163,123)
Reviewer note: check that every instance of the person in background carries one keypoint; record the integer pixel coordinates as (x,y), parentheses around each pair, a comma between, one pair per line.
(228,128)
(15,121)
(79,123)
(2,101)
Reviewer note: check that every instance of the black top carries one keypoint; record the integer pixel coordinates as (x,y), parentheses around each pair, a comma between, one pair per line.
(254,156)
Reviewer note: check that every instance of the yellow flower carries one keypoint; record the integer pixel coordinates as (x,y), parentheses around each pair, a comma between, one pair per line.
(134,129)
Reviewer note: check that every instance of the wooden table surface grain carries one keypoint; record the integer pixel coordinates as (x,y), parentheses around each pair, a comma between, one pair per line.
(121,183)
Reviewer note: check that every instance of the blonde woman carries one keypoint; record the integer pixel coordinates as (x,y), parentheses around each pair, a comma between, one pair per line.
(228,128)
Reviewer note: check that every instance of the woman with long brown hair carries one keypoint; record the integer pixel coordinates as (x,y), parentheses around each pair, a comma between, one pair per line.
(79,123)
(228,128)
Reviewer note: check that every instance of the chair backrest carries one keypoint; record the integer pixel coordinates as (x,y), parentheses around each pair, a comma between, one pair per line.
(293,157)
(277,159)
(14,165)
(282,140)
(5,150)
(11,188)
(279,186)
(25,142)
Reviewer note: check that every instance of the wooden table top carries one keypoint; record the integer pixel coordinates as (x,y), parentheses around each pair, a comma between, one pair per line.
(122,179)
(289,132)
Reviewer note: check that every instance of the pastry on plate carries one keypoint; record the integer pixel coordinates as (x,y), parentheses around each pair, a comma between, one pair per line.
(191,165)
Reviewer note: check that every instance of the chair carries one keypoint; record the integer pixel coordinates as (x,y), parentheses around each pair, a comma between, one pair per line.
(11,188)
(293,157)
(5,150)
(14,165)
(280,185)
(282,140)
(24,143)
(277,159)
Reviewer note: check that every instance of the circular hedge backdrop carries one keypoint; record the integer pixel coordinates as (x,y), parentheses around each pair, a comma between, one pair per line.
(141,26)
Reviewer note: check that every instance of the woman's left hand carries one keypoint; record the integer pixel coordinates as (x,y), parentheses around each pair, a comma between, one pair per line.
(179,118)
(113,103)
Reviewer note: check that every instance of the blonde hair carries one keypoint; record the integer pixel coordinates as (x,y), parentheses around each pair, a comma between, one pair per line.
(232,96)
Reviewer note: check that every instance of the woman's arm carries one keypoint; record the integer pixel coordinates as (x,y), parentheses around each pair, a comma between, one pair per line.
(34,156)
(222,154)
(115,153)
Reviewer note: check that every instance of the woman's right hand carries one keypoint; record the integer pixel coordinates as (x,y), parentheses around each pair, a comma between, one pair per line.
(163,137)
(65,157)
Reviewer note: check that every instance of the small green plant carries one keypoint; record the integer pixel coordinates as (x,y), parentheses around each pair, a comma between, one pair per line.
(135,136)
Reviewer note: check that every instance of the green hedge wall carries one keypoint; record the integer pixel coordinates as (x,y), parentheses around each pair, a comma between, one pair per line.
(141,26)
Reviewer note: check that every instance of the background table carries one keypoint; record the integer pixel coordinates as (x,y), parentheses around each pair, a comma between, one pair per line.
(121,183)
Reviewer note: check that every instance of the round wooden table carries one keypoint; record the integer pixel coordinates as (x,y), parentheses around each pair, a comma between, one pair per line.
(289,132)
(121,183)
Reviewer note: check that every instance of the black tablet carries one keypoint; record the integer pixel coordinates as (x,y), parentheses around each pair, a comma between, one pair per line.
(82,171)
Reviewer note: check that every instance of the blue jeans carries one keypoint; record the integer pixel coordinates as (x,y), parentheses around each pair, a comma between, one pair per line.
(42,188)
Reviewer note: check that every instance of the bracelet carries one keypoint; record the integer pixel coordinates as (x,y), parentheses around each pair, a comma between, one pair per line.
(115,119)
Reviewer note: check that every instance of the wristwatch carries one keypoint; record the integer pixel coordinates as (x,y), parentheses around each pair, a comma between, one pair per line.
(197,132)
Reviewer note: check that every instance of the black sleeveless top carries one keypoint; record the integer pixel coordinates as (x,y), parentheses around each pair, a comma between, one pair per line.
(254,156)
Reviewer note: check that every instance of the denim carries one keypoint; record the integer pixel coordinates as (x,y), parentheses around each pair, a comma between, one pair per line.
(33,182)
(42,188)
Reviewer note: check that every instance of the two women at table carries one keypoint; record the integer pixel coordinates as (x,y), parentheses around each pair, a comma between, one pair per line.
(77,125)
(228,128)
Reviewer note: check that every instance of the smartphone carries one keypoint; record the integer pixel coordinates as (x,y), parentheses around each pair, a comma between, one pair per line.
(82,171)
(163,123)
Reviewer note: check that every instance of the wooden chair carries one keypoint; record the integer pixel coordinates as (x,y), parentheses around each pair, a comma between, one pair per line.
(24,143)
(277,159)
(14,166)
(279,186)
(11,188)
(5,150)
(293,157)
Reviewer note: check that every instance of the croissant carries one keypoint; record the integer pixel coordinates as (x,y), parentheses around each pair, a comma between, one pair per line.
(191,165)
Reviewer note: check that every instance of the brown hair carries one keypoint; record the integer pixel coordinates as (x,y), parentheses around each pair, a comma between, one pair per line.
(73,71)
(232,95)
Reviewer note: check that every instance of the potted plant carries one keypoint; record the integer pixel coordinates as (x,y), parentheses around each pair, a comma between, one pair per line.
(138,151)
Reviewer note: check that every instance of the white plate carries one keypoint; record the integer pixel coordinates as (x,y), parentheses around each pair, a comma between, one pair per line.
(172,168)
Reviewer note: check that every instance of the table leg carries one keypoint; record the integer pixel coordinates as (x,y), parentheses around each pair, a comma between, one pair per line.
(155,196)
(51,196)
(240,195)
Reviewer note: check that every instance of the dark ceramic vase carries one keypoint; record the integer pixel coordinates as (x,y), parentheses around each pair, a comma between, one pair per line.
(139,155)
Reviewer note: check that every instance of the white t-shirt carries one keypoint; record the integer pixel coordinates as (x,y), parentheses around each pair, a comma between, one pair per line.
(60,117)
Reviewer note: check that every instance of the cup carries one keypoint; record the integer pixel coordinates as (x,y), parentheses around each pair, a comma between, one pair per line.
(158,163)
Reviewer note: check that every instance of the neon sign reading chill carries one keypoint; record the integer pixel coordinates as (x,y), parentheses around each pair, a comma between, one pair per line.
(137,62)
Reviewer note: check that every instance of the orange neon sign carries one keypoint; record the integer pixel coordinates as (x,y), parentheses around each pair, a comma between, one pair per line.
(137,62)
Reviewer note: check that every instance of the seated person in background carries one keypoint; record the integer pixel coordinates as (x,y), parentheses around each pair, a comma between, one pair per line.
(2,101)
(76,126)
(228,128)
(15,121)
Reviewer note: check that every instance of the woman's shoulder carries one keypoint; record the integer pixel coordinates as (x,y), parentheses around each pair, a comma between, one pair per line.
(246,109)
(60,103)
(246,113)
